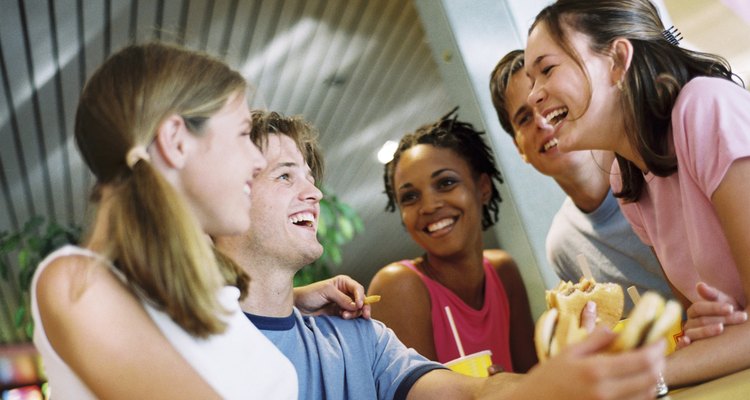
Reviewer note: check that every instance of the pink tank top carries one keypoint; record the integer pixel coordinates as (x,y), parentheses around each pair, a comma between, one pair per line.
(484,329)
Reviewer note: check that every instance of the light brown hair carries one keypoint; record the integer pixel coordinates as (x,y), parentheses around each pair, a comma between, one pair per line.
(153,236)
(304,135)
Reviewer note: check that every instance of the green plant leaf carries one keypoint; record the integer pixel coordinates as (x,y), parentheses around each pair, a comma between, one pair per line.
(346,227)
(10,243)
(20,253)
(23,259)
(335,255)
(19,316)
(4,269)
(325,218)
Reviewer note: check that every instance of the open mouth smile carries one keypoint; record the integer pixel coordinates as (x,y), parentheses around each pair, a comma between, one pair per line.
(442,224)
(303,219)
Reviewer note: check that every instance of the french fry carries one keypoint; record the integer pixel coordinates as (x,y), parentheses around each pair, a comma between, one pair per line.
(372,299)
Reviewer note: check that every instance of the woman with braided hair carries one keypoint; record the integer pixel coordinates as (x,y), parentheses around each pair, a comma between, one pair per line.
(442,180)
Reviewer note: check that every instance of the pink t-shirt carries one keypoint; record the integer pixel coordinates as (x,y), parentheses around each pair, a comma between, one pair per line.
(710,130)
(484,329)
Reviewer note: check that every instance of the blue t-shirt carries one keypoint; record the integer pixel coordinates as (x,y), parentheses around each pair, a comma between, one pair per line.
(345,359)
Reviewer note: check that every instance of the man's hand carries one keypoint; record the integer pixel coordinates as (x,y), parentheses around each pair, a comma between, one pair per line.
(340,295)
(587,371)
(706,318)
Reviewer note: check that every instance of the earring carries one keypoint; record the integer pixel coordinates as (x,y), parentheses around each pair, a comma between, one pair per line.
(524,158)
(620,85)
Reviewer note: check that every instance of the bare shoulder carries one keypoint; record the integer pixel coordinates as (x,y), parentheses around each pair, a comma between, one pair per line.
(73,291)
(398,285)
(395,277)
(507,270)
(69,277)
(500,259)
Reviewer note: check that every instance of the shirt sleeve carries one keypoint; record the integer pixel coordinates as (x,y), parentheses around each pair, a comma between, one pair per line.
(711,129)
(396,367)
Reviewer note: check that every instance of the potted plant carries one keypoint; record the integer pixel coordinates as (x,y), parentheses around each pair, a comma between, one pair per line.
(20,253)
(21,372)
(337,225)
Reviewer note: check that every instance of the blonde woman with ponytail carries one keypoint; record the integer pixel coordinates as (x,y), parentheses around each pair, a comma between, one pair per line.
(145,307)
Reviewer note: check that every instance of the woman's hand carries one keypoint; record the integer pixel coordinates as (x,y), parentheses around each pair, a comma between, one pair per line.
(340,295)
(707,318)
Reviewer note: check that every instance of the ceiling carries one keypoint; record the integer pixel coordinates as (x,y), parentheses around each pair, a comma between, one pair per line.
(361,71)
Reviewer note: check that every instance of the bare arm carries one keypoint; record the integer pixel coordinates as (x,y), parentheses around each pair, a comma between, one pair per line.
(105,335)
(582,371)
(404,307)
(730,351)
(707,317)
(521,326)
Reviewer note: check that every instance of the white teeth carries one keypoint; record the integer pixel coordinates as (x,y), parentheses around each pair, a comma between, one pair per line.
(552,143)
(246,189)
(302,217)
(439,225)
(556,113)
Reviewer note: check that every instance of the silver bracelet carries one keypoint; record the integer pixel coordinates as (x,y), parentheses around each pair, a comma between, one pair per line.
(661,387)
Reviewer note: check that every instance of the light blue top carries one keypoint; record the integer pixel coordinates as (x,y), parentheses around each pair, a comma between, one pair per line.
(613,251)
(345,359)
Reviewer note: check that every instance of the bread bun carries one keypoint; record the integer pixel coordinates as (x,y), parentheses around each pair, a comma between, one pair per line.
(648,322)
(559,326)
(570,299)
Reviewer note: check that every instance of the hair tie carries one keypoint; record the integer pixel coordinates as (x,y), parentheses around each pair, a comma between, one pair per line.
(672,35)
(135,154)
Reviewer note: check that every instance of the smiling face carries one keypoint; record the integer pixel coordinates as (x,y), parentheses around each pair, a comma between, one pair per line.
(285,207)
(440,199)
(584,112)
(218,177)
(533,135)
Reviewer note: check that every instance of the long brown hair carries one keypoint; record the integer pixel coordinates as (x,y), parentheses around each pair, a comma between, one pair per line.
(658,71)
(152,235)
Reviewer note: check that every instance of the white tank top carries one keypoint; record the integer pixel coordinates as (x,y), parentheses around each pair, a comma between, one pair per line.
(241,363)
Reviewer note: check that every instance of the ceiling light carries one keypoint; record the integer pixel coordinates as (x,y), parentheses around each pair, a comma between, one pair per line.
(385,154)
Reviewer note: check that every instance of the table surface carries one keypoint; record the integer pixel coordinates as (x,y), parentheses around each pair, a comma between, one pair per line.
(735,386)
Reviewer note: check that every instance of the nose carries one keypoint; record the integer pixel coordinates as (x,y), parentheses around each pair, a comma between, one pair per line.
(540,122)
(310,192)
(257,161)
(537,94)
(431,202)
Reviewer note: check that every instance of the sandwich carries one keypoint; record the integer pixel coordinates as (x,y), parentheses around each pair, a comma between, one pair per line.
(648,322)
(569,299)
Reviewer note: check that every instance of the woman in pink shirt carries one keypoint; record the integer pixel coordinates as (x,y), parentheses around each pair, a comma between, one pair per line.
(441,180)
(607,75)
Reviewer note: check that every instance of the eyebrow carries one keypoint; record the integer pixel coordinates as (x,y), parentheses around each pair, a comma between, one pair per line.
(288,164)
(432,175)
(538,60)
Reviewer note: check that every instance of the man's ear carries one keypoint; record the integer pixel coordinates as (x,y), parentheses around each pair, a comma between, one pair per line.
(485,187)
(171,141)
(622,54)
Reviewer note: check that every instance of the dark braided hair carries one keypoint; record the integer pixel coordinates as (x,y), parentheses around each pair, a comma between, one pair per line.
(460,137)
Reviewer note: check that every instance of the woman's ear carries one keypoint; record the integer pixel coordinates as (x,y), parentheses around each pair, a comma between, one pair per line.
(485,187)
(622,53)
(171,141)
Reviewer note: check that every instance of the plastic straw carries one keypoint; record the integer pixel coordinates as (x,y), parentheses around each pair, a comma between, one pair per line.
(633,292)
(455,331)
(584,266)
